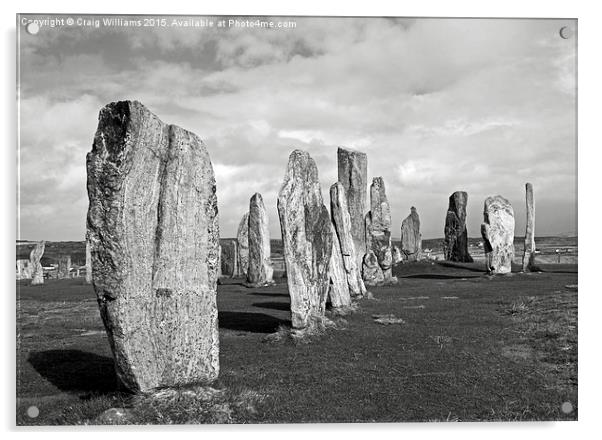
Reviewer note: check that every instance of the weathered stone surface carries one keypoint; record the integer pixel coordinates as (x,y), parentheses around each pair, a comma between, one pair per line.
(339,289)
(498,234)
(397,255)
(371,271)
(229,257)
(343,227)
(243,244)
(23,269)
(260,271)
(88,262)
(64,267)
(411,239)
(529,253)
(153,227)
(378,229)
(455,246)
(37,272)
(353,175)
(307,240)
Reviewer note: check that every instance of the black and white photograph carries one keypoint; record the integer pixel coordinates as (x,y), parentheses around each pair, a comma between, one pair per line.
(236,219)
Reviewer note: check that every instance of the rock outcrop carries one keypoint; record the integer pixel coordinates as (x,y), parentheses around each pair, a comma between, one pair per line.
(498,234)
(411,239)
(63,269)
(307,241)
(371,271)
(260,271)
(529,253)
(455,246)
(378,229)
(153,227)
(343,228)
(242,237)
(37,271)
(353,175)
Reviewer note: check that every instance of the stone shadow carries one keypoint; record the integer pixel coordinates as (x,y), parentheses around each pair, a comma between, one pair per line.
(273,305)
(250,322)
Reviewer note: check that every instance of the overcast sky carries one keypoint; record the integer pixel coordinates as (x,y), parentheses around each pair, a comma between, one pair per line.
(438,105)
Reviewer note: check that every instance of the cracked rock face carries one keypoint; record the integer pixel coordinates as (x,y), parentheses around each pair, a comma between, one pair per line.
(242,237)
(339,289)
(260,271)
(455,245)
(37,272)
(344,238)
(371,271)
(498,234)
(153,228)
(307,240)
(529,253)
(411,239)
(88,262)
(353,175)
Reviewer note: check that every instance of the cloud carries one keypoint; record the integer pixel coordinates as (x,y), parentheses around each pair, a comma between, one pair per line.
(438,105)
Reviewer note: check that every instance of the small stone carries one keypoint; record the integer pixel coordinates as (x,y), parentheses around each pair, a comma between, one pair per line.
(243,244)
(64,267)
(371,271)
(396,255)
(114,416)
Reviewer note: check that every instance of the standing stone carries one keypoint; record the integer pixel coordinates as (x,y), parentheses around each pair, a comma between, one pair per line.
(340,297)
(37,271)
(378,229)
(153,226)
(64,267)
(243,244)
(353,175)
(229,257)
(307,241)
(343,227)
(455,246)
(88,262)
(529,253)
(23,269)
(498,234)
(397,255)
(371,271)
(260,271)
(411,239)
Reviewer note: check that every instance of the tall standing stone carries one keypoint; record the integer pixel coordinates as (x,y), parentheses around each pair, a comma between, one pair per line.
(378,229)
(88,262)
(529,253)
(343,227)
(498,234)
(64,267)
(260,271)
(37,271)
(242,237)
(411,239)
(153,226)
(353,175)
(229,257)
(307,241)
(340,298)
(455,246)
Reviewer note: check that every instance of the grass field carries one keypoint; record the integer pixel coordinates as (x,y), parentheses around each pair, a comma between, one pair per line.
(464,347)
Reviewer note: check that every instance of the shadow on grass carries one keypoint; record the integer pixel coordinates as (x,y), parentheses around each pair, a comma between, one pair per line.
(465,266)
(273,305)
(269,294)
(250,322)
(435,276)
(76,370)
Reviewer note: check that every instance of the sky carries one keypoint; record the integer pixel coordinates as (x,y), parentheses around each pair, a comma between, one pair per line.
(438,105)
